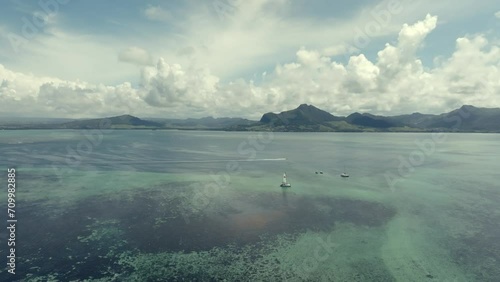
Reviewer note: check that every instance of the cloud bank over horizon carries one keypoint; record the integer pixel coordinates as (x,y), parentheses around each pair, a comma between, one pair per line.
(394,80)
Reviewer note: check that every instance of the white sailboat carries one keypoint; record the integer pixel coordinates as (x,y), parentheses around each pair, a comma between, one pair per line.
(284,183)
(344,174)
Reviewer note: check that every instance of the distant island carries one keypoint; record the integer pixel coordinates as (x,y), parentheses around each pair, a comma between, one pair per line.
(305,118)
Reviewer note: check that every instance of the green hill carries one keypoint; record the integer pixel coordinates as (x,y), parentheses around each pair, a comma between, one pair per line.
(124,121)
(309,118)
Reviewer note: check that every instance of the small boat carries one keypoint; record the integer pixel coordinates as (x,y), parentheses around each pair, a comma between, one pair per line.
(284,183)
(344,174)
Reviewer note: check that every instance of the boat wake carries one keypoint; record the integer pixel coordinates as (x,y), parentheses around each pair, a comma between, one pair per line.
(199,161)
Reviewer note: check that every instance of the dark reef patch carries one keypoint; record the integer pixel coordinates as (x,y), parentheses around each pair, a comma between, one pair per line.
(83,240)
(479,254)
(263,215)
(371,270)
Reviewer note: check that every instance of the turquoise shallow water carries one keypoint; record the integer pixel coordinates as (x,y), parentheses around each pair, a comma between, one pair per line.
(207,206)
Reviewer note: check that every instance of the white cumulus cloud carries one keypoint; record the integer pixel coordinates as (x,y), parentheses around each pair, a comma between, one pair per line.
(168,85)
(136,55)
(34,96)
(394,82)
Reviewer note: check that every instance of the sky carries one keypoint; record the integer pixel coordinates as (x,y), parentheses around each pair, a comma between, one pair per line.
(235,58)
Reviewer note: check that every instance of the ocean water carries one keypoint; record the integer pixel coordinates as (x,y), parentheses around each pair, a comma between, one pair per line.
(206,206)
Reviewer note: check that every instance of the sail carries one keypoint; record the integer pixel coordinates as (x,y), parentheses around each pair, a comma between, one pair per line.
(284,178)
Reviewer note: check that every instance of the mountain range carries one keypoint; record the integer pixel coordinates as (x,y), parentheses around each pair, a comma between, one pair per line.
(305,118)
(309,118)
